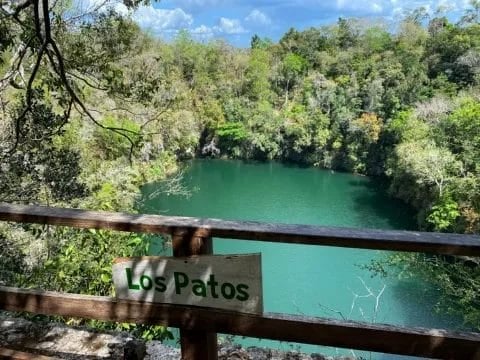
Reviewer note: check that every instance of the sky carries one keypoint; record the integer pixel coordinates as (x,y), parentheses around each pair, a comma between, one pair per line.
(238,20)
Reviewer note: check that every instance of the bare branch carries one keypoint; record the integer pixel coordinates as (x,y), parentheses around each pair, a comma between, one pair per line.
(365,286)
(377,302)
(46,21)
(22,6)
(49,48)
(333,310)
(157,115)
(15,67)
(86,81)
(89,12)
(370,293)
(28,99)
(38,26)
(171,186)
(60,69)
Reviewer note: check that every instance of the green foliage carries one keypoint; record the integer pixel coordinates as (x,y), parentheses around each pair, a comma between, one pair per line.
(211,113)
(231,137)
(232,132)
(258,73)
(456,281)
(461,131)
(155,332)
(12,258)
(259,43)
(444,214)
(264,133)
(377,39)
(112,145)
(293,66)
(346,34)
(36,168)
(88,271)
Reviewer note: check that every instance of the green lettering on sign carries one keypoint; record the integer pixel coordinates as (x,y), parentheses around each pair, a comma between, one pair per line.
(131,286)
(180,283)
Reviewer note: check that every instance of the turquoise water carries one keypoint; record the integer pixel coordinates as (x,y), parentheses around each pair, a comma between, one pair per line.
(301,279)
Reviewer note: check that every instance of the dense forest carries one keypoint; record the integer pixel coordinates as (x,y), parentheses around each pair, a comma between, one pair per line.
(92,107)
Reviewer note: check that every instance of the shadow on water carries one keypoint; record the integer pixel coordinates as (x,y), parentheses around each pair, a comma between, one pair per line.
(416,309)
(417,306)
(369,198)
(296,165)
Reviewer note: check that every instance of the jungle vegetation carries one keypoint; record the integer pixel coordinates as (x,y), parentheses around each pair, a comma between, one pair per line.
(92,107)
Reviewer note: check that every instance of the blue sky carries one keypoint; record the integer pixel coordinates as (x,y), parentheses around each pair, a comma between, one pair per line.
(238,20)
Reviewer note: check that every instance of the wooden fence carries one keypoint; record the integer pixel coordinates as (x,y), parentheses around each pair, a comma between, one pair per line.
(198,326)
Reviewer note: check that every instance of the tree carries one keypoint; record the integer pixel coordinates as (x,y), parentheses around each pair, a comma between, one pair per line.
(308,43)
(444,214)
(369,125)
(461,133)
(453,52)
(257,75)
(472,15)
(258,43)
(428,164)
(232,136)
(289,40)
(418,15)
(376,39)
(40,34)
(347,36)
(293,66)
(39,169)
(406,127)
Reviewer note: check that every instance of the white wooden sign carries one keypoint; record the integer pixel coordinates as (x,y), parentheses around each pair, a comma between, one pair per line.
(232,282)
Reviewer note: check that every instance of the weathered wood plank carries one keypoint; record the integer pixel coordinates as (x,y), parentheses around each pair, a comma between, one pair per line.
(21,355)
(231,282)
(195,344)
(433,343)
(451,244)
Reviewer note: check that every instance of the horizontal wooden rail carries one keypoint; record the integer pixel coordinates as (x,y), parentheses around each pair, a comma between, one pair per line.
(436,243)
(21,355)
(433,343)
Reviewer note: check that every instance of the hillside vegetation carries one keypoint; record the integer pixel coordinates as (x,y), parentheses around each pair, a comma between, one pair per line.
(91,108)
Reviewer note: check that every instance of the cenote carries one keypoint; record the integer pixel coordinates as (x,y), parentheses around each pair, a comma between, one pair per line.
(300,279)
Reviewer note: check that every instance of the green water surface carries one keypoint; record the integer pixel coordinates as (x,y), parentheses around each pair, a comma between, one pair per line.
(302,279)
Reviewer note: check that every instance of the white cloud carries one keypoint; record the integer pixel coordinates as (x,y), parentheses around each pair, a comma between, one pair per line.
(120,8)
(285,13)
(367,6)
(225,26)
(202,29)
(81,9)
(85,6)
(162,20)
(148,17)
(203,32)
(229,26)
(386,7)
(258,18)
(377,8)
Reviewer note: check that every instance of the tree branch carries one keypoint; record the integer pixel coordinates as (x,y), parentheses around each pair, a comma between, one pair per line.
(50,49)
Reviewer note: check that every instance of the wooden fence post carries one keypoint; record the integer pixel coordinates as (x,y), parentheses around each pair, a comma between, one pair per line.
(195,345)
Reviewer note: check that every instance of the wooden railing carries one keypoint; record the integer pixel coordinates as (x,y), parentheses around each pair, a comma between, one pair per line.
(198,326)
